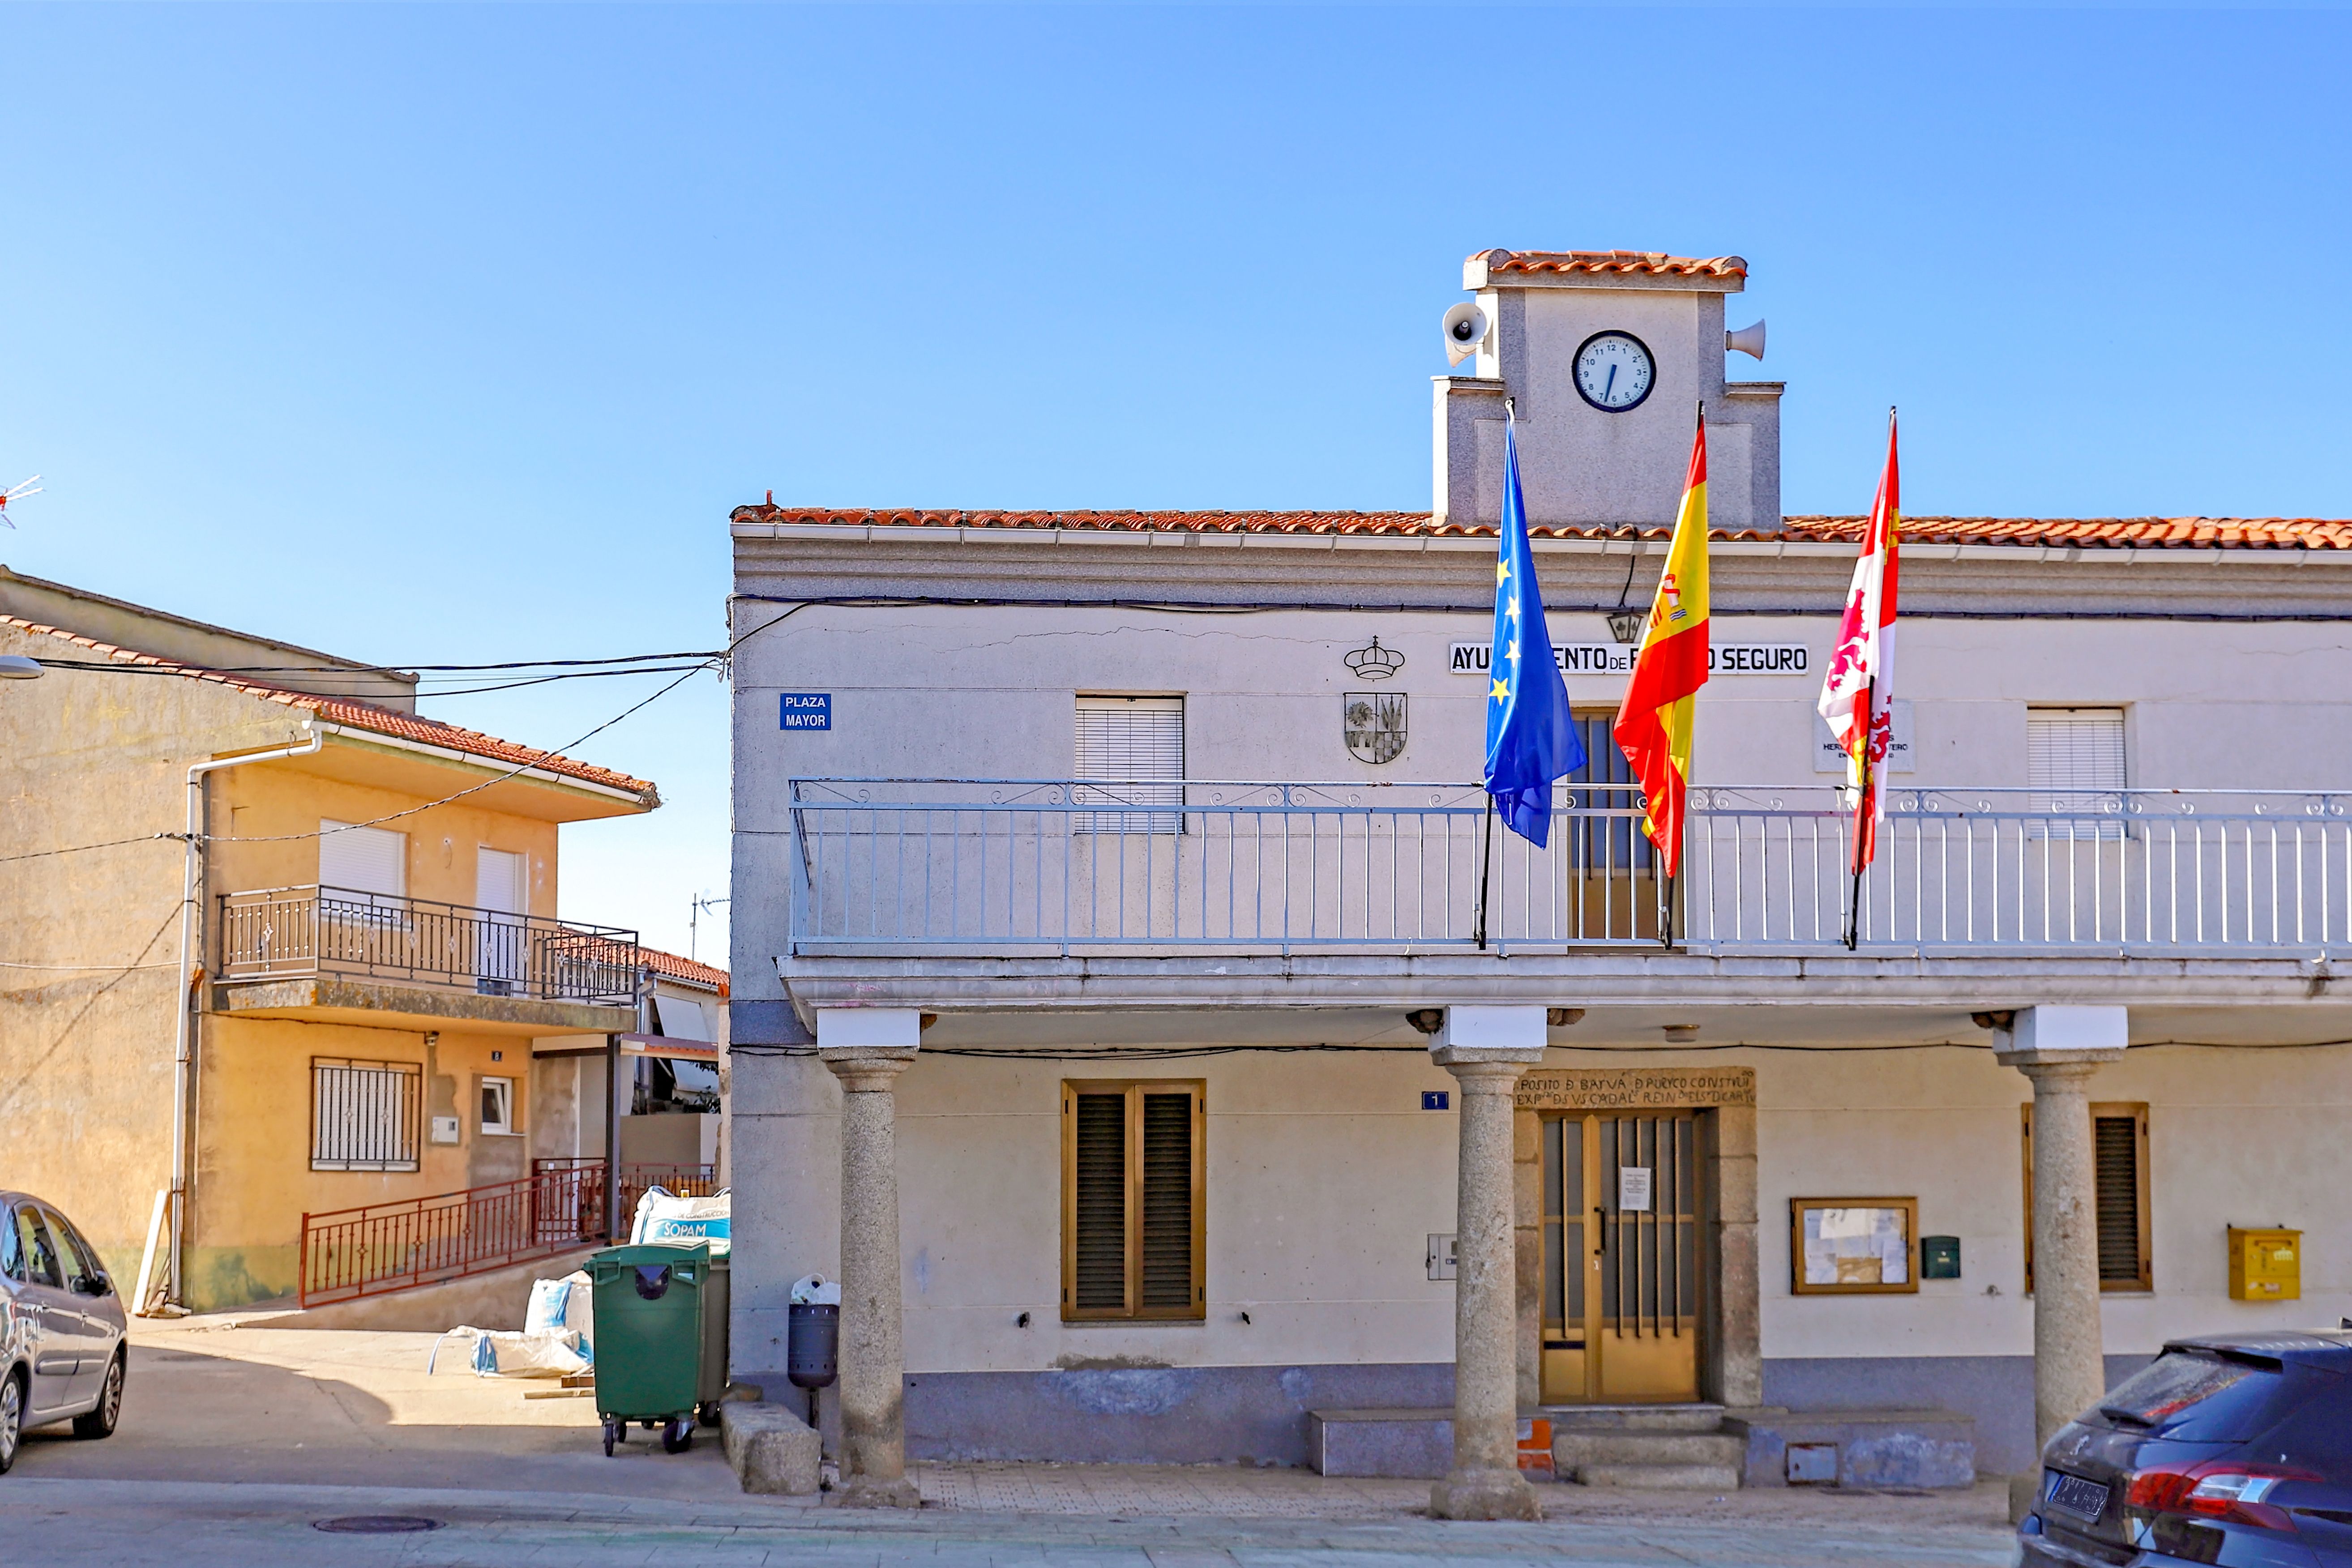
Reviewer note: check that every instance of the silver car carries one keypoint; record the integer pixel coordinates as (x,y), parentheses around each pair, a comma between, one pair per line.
(61,1351)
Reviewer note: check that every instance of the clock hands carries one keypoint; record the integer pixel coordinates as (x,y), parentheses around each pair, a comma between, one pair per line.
(1608,384)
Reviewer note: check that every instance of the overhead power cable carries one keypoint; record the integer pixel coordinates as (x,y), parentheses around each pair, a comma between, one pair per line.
(712,660)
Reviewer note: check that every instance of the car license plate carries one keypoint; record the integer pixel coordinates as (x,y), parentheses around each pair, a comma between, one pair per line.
(2085,1499)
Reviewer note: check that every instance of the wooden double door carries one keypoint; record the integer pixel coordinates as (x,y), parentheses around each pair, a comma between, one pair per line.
(1621,1257)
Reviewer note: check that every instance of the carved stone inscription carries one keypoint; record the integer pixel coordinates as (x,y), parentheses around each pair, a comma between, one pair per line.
(1610,1089)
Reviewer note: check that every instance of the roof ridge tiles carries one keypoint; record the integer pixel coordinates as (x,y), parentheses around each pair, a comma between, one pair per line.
(357,712)
(2116,533)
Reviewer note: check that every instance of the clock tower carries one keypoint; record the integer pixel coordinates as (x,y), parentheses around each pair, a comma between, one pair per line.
(1607,356)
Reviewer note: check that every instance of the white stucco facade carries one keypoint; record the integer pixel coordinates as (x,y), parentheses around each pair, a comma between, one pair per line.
(958,648)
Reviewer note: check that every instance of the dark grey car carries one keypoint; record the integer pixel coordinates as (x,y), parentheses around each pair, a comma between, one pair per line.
(62,1325)
(2233,1449)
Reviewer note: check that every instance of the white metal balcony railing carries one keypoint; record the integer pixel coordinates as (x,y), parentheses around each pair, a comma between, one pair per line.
(280,932)
(1039,865)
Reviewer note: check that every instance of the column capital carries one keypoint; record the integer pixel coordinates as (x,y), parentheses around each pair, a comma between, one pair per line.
(1472,1063)
(867,1068)
(2055,1066)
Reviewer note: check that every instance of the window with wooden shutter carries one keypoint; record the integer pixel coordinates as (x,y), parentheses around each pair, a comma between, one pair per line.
(1134,743)
(1133,1237)
(2074,762)
(2120,1197)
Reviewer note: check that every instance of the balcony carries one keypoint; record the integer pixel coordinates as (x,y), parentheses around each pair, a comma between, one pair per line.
(312,948)
(1071,868)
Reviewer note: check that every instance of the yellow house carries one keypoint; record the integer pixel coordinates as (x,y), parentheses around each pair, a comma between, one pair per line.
(277,946)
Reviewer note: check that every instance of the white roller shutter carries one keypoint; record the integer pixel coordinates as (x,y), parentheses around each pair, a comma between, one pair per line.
(2074,760)
(362,859)
(1135,741)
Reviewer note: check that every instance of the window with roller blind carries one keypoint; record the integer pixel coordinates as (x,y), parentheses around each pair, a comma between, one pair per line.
(2074,762)
(373,860)
(1134,1210)
(2120,1196)
(1135,743)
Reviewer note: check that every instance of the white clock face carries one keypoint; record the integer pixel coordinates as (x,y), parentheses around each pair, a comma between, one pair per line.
(1613,370)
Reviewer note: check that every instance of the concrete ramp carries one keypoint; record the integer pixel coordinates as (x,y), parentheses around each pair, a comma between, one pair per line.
(492,1300)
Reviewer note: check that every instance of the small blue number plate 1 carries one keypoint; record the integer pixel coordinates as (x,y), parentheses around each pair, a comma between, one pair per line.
(2083,1498)
(805,710)
(1436,1099)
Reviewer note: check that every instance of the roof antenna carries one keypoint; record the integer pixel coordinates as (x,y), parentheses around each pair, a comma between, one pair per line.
(30,488)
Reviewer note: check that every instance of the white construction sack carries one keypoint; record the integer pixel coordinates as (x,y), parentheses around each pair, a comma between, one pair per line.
(664,1216)
(566,1303)
(531,1352)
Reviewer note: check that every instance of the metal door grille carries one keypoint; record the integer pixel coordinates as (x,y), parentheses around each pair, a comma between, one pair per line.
(1649,1273)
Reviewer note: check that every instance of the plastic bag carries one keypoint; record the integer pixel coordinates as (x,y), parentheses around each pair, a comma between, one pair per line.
(666,1218)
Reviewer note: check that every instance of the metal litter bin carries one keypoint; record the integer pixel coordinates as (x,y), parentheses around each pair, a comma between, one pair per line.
(650,1307)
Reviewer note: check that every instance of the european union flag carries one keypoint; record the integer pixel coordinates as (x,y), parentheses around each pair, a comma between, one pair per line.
(1531,738)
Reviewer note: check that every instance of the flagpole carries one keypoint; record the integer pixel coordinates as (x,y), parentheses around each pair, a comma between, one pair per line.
(1862,803)
(1485,859)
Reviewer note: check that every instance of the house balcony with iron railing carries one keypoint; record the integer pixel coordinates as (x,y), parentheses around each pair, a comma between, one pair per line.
(289,933)
(1060,868)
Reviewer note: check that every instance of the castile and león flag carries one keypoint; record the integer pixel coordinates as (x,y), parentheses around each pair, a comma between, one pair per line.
(1858,689)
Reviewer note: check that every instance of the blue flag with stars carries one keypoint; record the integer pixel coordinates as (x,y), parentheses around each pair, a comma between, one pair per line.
(1531,737)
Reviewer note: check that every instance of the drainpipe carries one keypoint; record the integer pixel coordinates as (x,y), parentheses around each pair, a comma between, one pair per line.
(184,1040)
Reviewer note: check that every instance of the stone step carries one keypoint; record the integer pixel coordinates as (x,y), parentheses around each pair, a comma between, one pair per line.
(1661,1477)
(1634,1417)
(1578,1450)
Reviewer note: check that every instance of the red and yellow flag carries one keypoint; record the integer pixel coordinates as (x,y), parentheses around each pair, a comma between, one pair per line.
(1653,723)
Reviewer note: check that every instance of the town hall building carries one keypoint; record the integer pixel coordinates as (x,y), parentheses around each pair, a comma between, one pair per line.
(1132,1010)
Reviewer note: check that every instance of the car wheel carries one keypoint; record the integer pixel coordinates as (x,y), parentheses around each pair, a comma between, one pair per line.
(11,1418)
(100,1422)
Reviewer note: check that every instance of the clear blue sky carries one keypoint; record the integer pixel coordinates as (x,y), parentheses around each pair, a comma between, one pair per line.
(438,334)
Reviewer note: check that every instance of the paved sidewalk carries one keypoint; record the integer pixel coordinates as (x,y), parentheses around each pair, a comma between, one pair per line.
(86,1524)
(236,1440)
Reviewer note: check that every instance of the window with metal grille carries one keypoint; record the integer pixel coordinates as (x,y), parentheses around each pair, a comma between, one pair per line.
(1133,743)
(2074,763)
(1133,1242)
(364,1115)
(2120,1197)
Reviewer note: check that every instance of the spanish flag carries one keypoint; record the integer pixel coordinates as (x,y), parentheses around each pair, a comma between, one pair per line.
(1653,723)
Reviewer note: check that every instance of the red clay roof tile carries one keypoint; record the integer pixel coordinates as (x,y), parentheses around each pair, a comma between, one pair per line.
(686,968)
(1655,263)
(361,715)
(2144,533)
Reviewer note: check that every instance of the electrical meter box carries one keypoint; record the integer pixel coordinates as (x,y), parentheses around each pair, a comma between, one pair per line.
(2266,1265)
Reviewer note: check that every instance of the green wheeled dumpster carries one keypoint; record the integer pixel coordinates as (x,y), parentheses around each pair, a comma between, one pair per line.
(649,1339)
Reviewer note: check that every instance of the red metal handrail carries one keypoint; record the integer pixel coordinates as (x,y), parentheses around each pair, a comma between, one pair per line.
(398,1246)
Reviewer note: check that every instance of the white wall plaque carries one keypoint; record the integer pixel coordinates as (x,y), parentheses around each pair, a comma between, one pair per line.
(1634,1189)
(1901,758)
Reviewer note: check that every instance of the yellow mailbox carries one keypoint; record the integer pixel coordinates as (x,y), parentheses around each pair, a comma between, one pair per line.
(2266,1265)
